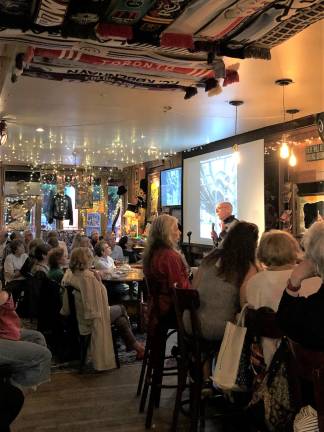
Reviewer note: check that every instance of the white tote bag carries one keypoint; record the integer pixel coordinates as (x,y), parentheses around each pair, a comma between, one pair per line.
(228,360)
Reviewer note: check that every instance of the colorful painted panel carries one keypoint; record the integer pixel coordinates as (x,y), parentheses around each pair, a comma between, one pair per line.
(154,190)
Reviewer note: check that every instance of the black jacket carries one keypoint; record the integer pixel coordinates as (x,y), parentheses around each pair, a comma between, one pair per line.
(228,224)
(60,207)
(302,319)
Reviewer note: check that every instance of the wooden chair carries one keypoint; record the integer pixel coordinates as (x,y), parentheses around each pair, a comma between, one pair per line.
(85,340)
(310,378)
(189,356)
(193,353)
(153,369)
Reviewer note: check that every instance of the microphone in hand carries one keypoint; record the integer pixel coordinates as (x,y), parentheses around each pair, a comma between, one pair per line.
(189,233)
(213,232)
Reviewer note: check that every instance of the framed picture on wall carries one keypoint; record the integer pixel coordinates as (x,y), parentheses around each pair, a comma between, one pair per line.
(153,195)
(83,196)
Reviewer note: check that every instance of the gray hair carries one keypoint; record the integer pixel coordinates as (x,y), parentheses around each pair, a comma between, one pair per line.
(314,246)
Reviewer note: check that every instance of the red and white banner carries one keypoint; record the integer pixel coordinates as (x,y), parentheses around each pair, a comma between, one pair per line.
(143,64)
(51,13)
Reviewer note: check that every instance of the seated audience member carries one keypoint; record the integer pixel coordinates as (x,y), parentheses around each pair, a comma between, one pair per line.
(126,244)
(56,261)
(4,240)
(106,266)
(94,238)
(53,242)
(302,318)
(93,312)
(102,260)
(24,351)
(220,278)
(61,243)
(163,265)
(30,261)
(15,261)
(81,240)
(85,242)
(28,237)
(116,250)
(41,259)
(76,241)
(277,253)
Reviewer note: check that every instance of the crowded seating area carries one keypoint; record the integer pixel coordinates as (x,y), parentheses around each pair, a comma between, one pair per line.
(187,322)
(161,216)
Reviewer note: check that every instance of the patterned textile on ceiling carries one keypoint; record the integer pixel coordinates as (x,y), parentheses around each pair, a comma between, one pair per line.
(151,44)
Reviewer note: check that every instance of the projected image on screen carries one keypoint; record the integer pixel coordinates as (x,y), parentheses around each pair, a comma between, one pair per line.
(218,182)
(171,187)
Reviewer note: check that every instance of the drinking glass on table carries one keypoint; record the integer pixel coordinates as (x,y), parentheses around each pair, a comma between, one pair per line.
(126,260)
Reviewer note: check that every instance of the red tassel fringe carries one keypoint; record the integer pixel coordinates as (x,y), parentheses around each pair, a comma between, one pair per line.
(231,76)
(105,31)
(175,40)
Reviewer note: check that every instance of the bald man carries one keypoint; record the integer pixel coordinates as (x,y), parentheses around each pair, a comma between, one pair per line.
(224,212)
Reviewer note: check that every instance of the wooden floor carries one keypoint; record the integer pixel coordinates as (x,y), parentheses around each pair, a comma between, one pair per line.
(97,403)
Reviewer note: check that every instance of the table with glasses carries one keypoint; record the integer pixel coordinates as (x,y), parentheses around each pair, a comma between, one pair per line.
(134,300)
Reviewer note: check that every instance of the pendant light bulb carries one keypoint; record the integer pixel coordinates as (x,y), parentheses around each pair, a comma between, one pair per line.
(292,159)
(236,154)
(284,150)
(235,148)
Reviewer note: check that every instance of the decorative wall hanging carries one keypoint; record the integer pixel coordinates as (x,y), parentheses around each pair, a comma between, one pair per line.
(113,199)
(82,17)
(143,29)
(17,215)
(83,196)
(93,220)
(60,208)
(50,13)
(153,197)
(98,207)
(129,68)
(127,12)
(157,19)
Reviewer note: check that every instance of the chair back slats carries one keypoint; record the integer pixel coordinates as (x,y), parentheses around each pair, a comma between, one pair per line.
(187,300)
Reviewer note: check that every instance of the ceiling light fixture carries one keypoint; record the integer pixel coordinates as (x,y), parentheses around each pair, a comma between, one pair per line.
(235,148)
(3,132)
(285,151)
(39,129)
(292,161)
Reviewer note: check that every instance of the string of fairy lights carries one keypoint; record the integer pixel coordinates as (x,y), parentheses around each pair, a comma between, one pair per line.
(56,149)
